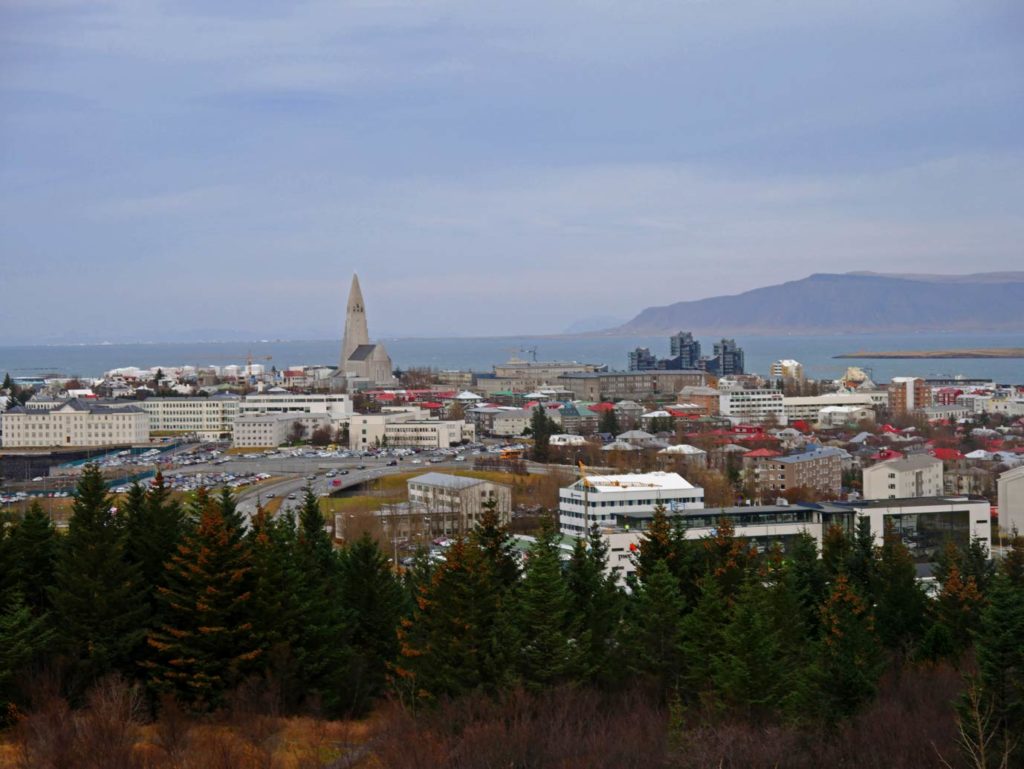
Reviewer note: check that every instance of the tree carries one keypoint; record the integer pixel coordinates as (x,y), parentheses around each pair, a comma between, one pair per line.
(843,673)
(541,430)
(24,637)
(497,548)
(154,524)
(655,544)
(32,558)
(321,436)
(655,630)
(901,605)
(297,432)
(702,631)
(205,645)
(8,384)
(376,602)
(609,422)
(98,595)
(809,582)
(999,685)
(597,603)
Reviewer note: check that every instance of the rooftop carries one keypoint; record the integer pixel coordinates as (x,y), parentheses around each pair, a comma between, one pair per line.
(629,481)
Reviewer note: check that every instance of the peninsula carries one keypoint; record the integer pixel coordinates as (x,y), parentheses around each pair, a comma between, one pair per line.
(993,352)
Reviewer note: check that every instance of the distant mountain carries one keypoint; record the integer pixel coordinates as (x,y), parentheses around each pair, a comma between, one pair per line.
(596,323)
(850,303)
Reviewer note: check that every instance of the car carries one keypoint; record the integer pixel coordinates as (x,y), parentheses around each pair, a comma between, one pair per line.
(292,496)
(360,467)
(310,477)
(393,463)
(271,495)
(343,472)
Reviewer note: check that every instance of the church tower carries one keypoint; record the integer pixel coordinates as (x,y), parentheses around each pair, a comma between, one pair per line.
(356,332)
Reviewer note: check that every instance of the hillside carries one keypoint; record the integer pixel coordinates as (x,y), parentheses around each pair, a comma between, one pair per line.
(850,303)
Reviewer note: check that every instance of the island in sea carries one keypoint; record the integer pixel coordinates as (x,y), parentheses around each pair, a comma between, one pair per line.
(994,352)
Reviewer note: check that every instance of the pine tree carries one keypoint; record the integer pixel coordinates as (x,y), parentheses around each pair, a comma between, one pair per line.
(702,631)
(24,638)
(656,544)
(901,608)
(548,653)
(861,565)
(540,430)
(598,603)
(609,423)
(808,580)
(977,564)
(835,551)
(206,644)
(496,547)
(957,610)
(98,596)
(376,603)
(747,669)
(730,560)
(154,525)
(654,634)
(843,674)
(32,555)
(1012,564)
(999,641)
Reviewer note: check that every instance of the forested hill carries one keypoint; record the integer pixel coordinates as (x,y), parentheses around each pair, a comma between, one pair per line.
(850,303)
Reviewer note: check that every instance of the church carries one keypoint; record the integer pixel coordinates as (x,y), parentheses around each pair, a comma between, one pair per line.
(362,363)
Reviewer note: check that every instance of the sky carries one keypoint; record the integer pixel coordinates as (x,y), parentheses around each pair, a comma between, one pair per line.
(182,169)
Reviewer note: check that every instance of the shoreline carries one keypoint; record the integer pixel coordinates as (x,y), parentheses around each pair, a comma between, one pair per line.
(983,353)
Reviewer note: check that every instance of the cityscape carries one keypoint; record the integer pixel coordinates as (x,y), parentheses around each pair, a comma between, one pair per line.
(420,385)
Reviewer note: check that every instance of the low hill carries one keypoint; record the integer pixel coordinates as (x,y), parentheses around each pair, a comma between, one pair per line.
(850,303)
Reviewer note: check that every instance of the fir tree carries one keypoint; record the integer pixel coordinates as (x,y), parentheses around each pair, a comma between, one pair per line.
(1012,564)
(609,422)
(656,544)
(835,551)
(205,645)
(540,430)
(496,547)
(98,596)
(654,633)
(548,653)
(957,609)
(747,668)
(702,632)
(861,566)
(729,559)
(376,602)
(901,608)
(24,638)
(598,603)
(808,580)
(999,642)
(843,674)
(154,525)
(32,555)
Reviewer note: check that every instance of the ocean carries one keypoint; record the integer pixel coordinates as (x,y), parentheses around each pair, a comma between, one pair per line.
(481,353)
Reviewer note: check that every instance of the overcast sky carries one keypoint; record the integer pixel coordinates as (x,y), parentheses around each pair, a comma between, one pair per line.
(488,167)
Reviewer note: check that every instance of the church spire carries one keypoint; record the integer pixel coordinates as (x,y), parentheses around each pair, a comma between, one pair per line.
(356,332)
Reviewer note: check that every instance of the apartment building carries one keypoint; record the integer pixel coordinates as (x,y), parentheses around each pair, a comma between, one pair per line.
(335,406)
(787,369)
(74,424)
(457,502)
(918,475)
(268,431)
(408,427)
(635,385)
(907,394)
(819,469)
(809,407)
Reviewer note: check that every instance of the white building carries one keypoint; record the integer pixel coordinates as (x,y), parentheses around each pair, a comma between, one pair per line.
(787,368)
(808,407)
(455,503)
(268,431)
(210,418)
(600,498)
(841,416)
(918,475)
(408,427)
(564,439)
(752,405)
(510,423)
(336,407)
(1010,490)
(72,424)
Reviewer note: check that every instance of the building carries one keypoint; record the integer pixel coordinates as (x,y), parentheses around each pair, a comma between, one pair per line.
(684,349)
(924,524)
(918,475)
(1010,493)
(362,362)
(787,369)
(598,499)
(707,398)
(74,423)
(208,418)
(844,416)
(619,385)
(523,376)
(268,431)
(727,361)
(752,405)
(907,394)
(808,407)
(818,469)
(511,422)
(454,504)
(407,427)
(337,407)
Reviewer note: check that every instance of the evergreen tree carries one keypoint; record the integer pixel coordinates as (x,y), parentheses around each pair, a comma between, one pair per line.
(730,560)
(835,551)
(24,638)
(376,602)
(98,596)
(654,633)
(862,566)
(447,646)
(154,525)
(496,547)
(656,544)
(1012,564)
(901,608)
(540,430)
(808,580)
(702,631)
(999,641)
(843,674)
(548,653)
(977,564)
(32,555)
(747,669)
(205,645)
(8,384)
(609,423)
(957,610)
(598,603)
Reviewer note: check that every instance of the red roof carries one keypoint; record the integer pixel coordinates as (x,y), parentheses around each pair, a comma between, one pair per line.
(765,453)
(801,425)
(946,455)
(601,408)
(885,454)
(889,429)
(430,405)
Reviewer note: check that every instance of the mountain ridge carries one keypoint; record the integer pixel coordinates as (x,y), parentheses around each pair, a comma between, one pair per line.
(859,302)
